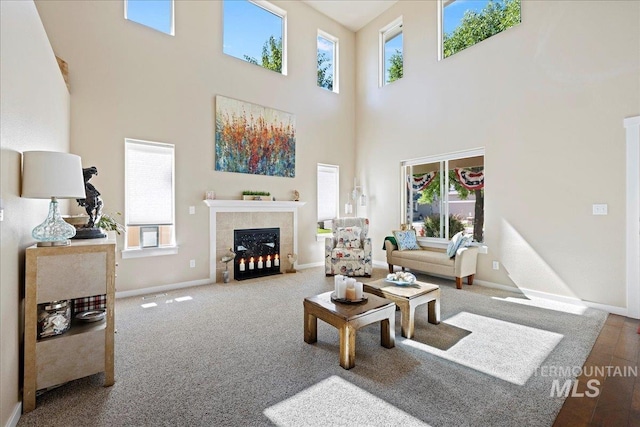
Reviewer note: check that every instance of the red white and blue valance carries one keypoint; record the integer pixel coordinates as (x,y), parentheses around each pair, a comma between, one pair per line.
(469,179)
(419,182)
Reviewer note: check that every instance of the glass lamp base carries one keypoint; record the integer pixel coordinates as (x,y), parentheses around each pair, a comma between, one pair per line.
(54,231)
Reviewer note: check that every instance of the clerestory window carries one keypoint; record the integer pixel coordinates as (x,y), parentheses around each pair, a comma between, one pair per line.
(256,31)
(463,23)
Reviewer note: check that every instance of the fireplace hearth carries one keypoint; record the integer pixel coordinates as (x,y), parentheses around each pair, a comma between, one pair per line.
(257,252)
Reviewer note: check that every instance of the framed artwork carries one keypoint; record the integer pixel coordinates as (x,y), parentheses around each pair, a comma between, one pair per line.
(254,139)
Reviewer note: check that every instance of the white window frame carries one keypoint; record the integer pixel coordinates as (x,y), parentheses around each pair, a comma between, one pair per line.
(173,18)
(441,5)
(387,33)
(405,167)
(335,59)
(137,252)
(335,169)
(270,7)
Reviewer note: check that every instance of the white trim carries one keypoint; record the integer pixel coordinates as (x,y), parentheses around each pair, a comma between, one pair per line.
(148,252)
(270,7)
(336,58)
(386,33)
(216,206)
(163,288)
(552,297)
(632,233)
(15,415)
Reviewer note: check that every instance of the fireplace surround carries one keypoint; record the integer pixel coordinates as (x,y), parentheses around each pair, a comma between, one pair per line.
(225,216)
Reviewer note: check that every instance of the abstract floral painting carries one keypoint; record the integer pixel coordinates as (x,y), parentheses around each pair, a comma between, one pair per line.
(254,139)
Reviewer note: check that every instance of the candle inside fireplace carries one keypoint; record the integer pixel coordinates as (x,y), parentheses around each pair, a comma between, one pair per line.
(260,262)
(276,261)
(242,264)
(268,261)
(251,263)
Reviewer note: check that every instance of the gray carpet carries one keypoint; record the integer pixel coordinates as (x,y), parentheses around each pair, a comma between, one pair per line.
(234,355)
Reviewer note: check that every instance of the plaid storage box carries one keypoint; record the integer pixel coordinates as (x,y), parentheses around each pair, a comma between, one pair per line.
(95,302)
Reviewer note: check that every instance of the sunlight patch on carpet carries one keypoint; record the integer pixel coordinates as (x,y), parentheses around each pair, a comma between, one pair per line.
(546,304)
(337,402)
(504,350)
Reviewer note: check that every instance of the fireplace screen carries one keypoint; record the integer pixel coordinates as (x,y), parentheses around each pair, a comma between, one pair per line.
(257,252)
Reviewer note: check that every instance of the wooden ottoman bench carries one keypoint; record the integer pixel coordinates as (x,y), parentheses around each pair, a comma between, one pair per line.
(407,298)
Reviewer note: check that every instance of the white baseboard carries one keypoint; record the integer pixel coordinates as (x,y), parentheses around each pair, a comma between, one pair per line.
(15,415)
(163,288)
(310,265)
(622,311)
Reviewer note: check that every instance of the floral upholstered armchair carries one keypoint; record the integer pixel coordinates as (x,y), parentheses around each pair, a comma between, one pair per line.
(348,251)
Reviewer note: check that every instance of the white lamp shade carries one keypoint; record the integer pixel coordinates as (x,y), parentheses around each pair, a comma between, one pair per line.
(47,174)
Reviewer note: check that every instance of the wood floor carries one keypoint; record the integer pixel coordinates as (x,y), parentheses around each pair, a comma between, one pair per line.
(617,402)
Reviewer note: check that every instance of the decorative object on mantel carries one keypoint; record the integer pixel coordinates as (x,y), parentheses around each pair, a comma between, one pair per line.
(210,195)
(226,258)
(292,258)
(52,175)
(257,195)
(92,203)
(254,139)
(296,196)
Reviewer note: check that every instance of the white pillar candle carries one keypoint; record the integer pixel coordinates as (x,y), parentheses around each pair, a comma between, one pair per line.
(276,261)
(251,263)
(359,291)
(336,279)
(260,262)
(242,264)
(342,288)
(268,261)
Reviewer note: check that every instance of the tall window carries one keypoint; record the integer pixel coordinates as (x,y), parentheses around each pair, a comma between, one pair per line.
(328,195)
(465,23)
(255,31)
(391,53)
(157,14)
(444,195)
(149,194)
(327,61)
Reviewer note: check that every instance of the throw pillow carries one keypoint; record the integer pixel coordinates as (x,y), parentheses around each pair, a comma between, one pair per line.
(406,240)
(348,237)
(458,241)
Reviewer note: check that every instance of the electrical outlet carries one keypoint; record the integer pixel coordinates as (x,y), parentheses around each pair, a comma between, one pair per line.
(600,209)
(496,265)
(192,263)
(192,210)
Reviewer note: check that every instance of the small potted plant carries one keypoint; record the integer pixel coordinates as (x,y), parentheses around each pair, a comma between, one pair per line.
(256,195)
(109,224)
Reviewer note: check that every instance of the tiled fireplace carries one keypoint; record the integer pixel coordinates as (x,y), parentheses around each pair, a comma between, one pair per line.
(225,216)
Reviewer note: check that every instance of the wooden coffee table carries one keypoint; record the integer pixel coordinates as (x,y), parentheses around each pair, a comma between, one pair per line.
(348,318)
(408,298)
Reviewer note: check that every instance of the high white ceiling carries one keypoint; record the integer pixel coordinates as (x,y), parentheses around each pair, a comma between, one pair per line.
(353,14)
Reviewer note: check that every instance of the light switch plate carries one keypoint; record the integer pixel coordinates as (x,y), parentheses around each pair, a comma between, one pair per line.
(192,210)
(600,209)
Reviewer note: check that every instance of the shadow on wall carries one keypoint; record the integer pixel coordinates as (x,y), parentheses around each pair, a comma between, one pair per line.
(525,266)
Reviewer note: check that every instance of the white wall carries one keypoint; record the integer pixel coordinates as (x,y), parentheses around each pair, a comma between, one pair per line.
(128,80)
(34,111)
(546,100)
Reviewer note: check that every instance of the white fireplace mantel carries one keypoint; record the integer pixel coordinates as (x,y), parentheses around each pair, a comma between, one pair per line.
(216,206)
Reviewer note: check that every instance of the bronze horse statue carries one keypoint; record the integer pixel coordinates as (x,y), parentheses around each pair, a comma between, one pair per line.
(93,202)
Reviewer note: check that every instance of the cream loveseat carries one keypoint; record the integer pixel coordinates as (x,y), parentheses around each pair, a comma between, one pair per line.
(435,261)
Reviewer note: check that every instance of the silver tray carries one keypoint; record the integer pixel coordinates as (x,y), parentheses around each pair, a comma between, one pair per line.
(91,316)
(347,301)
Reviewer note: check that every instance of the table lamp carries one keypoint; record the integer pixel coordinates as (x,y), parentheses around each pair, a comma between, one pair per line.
(52,175)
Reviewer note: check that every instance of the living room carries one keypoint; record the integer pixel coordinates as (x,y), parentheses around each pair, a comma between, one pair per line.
(546,101)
